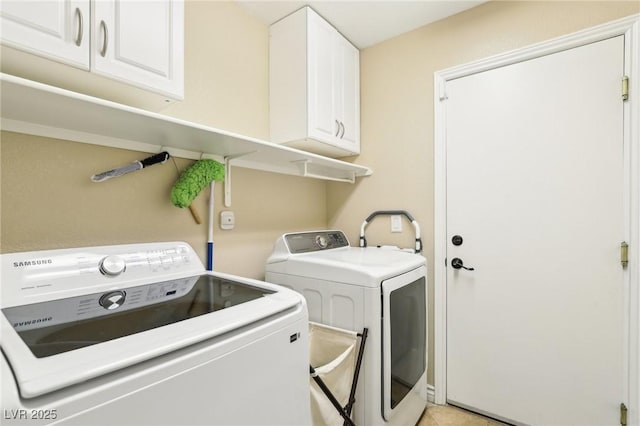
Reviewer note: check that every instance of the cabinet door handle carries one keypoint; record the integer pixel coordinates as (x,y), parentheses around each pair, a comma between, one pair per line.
(105,42)
(342,125)
(80,27)
(338,128)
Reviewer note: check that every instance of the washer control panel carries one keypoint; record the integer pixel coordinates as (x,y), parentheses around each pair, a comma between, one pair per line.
(39,276)
(305,242)
(73,309)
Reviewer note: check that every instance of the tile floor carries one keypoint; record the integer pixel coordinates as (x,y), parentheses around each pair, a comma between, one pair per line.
(447,415)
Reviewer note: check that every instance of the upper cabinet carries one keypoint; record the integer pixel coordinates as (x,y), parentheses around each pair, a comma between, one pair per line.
(137,42)
(56,29)
(314,75)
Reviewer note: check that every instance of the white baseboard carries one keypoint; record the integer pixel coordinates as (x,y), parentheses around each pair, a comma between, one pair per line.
(431,393)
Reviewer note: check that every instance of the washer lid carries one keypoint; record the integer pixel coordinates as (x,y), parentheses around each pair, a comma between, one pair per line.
(350,265)
(59,343)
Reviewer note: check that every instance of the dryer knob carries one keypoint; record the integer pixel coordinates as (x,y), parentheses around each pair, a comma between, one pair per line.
(322,241)
(112,266)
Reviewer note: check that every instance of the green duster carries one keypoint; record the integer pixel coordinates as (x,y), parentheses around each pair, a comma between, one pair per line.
(194,179)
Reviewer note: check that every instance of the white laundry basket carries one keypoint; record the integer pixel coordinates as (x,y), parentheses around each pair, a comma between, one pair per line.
(333,354)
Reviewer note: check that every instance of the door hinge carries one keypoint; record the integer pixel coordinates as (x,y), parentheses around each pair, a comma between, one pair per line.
(625,88)
(624,254)
(623,414)
(442,91)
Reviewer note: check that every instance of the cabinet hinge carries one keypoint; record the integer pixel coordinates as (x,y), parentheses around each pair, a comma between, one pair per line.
(624,254)
(625,88)
(623,414)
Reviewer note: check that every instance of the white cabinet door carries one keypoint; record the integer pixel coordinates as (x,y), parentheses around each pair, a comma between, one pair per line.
(323,120)
(334,86)
(56,29)
(348,94)
(141,42)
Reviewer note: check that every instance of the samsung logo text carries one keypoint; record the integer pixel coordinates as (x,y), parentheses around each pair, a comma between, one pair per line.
(32,263)
(32,322)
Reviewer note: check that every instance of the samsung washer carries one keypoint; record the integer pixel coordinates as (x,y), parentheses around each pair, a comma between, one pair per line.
(382,289)
(142,334)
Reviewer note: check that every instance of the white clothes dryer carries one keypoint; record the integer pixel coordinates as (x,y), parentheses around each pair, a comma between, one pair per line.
(382,289)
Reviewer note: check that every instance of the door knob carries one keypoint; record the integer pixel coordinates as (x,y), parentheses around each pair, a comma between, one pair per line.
(457,263)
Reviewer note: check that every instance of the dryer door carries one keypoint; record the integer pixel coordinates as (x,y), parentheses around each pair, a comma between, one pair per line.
(404,341)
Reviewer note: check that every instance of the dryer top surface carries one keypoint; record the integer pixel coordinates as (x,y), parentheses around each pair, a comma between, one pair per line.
(367,266)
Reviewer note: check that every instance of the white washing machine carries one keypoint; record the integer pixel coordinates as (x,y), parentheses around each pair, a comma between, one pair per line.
(143,335)
(382,289)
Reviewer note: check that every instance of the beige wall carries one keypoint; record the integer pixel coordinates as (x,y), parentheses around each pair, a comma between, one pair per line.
(47,199)
(397,107)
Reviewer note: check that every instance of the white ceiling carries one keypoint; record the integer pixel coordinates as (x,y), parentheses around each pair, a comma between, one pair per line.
(364,22)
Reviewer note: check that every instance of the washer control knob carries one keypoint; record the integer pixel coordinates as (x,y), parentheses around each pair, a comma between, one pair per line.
(112,266)
(112,300)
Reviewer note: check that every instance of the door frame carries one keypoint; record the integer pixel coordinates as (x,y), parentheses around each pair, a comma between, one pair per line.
(629,27)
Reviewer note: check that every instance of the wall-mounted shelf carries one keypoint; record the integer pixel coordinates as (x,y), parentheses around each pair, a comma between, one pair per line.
(38,109)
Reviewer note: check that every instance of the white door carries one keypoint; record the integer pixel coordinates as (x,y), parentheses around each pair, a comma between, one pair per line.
(535,180)
(140,42)
(56,29)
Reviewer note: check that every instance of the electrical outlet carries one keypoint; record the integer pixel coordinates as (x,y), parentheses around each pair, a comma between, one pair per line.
(396,223)
(227,220)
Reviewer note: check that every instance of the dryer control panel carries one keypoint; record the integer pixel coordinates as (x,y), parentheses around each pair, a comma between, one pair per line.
(305,242)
